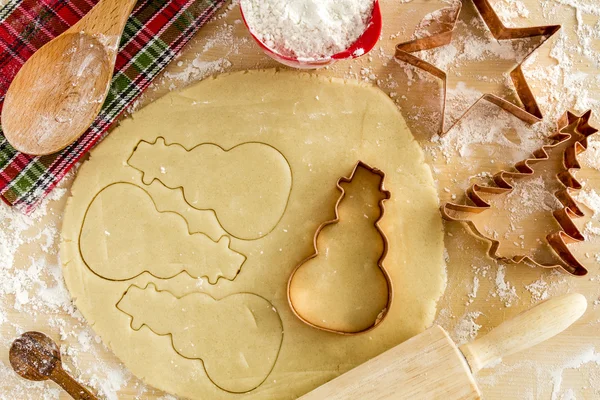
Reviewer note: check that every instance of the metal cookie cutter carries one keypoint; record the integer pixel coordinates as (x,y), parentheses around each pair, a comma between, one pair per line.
(571,128)
(530,112)
(386,195)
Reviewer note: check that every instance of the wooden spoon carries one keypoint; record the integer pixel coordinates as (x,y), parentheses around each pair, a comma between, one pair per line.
(60,90)
(36,357)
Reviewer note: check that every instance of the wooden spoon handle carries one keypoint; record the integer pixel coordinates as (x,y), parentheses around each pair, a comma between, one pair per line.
(527,329)
(71,386)
(107,19)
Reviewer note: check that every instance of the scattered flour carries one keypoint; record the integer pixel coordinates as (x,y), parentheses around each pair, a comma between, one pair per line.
(538,290)
(308,29)
(551,372)
(530,196)
(591,157)
(590,230)
(37,290)
(31,285)
(24,284)
(509,10)
(586,356)
(468,138)
(167,397)
(591,199)
(473,294)
(466,330)
(199,69)
(504,290)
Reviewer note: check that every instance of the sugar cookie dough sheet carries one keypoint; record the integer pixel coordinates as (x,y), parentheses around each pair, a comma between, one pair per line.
(186,222)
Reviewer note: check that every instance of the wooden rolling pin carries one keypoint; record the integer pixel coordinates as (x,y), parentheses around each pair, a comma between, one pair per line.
(431,366)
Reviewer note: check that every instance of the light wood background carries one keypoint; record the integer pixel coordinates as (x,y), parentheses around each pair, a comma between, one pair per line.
(566,367)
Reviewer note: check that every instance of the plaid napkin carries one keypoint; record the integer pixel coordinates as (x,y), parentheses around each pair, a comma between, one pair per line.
(155,33)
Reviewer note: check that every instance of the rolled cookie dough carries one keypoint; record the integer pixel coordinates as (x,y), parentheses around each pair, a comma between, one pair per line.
(302,133)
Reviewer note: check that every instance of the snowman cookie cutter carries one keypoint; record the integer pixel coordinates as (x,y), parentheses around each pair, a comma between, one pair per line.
(300,294)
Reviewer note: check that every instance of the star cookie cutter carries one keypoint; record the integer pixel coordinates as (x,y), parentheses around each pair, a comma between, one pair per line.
(570,128)
(390,291)
(530,112)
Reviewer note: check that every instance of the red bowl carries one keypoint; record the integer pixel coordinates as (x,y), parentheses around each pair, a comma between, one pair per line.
(366,42)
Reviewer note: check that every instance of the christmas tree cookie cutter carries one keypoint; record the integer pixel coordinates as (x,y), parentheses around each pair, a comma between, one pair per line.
(292,292)
(570,128)
(530,112)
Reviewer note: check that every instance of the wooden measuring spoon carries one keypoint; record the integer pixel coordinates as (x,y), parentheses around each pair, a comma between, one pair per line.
(36,357)
(60,90)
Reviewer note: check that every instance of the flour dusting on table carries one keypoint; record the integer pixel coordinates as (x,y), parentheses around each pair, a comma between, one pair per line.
(481,293)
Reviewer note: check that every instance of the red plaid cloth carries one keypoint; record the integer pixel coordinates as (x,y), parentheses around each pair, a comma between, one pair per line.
(155,33)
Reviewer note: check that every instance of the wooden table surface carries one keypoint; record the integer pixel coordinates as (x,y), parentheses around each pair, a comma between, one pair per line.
(481,292)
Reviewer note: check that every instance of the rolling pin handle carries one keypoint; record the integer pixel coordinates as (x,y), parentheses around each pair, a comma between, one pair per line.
(527,329)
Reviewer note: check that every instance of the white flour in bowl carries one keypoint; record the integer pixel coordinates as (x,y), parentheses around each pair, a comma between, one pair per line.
(308,29)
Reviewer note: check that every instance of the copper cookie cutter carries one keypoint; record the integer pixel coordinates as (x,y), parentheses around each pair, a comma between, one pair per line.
(390,290)
(530,112)
(570,128)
